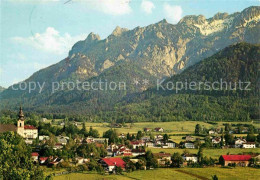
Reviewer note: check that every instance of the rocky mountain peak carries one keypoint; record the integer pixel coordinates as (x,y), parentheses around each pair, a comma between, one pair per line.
(118,31)
(192,19)
(220,16)
(93,37)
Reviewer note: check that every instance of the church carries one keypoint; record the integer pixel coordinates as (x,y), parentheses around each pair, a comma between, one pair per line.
(26,131)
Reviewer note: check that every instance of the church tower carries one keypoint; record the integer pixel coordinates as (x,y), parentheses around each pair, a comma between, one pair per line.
(20,123)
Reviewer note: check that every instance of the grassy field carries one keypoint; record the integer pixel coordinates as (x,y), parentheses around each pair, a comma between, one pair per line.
(178,174)
(183,127)
(214,153)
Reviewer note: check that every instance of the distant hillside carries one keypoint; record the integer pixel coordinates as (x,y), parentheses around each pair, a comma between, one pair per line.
(237,62)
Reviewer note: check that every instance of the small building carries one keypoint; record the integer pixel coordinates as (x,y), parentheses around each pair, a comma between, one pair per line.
(239,142)
(147,129)
(189,138)
(189,145)
(212,132)
(138,152)
(43,160)
(137,144)
(158,129)
(34,156)
(190,157)
(162,158)
(41,138)
(110,164)
(248,145)
(149,144)
(216,140)
(169,144)
(239,160)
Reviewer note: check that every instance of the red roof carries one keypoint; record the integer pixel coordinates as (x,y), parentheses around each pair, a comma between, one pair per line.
(34,154)
(43,158)
(236,157)
(29,127)
(114,162)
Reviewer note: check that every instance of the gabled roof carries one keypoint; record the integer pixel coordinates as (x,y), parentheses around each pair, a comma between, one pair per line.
(236,157)
(34,154)
(7,127)
(114,162)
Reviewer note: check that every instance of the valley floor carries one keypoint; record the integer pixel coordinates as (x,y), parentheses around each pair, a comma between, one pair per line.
(237,173)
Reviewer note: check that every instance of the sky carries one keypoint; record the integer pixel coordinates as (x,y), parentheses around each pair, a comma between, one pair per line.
(39,33)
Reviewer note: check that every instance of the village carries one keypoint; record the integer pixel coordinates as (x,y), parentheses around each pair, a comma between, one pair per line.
(77,149)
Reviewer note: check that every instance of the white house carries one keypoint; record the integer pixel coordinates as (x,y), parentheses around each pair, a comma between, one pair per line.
(190,157)
(189,145)
(239,142)
(212,132)
(248,145)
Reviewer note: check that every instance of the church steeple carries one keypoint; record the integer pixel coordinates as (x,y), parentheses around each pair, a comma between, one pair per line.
(20,115)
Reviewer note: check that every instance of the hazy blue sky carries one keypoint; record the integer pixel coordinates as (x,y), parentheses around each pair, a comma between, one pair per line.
(38,33)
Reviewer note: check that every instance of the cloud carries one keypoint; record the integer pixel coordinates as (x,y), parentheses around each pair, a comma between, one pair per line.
(50,41)
(112,7)
(147,6)
(173,13)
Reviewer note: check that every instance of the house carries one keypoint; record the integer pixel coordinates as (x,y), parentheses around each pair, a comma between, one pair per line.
(55,162)
(158,137)
(43,160)
(163,158)
(138,152)
(122,135)
(96,140)
(149,144)
(169,144)
(158,129)
(189,138)
(41,138)
(137,144)
(239,142)
(81,160)
(145,138)
(248,145)
(57,146)
(110,164)
(147,129)
(189,145)
(239,160)
(122,151)
(216,140)
(34,156)
(62,140)
(212,132)
(190,157)
(44,119)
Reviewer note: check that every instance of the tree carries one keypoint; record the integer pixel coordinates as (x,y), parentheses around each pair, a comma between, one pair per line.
(250,137)
(200,155)
(198,129)
(229,139)
(139,135)
(15,159)
(150,160)
(165,138)
(215,177)
(176,160)
(93,132)
(112,136)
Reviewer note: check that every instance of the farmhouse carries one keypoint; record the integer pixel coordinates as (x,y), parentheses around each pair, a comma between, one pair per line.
(158,129)
(162,158)
(239,160)
(189,145)
(248,145)
(110,164)
(190,157)
(239,142)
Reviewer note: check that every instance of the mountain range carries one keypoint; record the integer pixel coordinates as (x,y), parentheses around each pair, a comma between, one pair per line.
(158,51)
